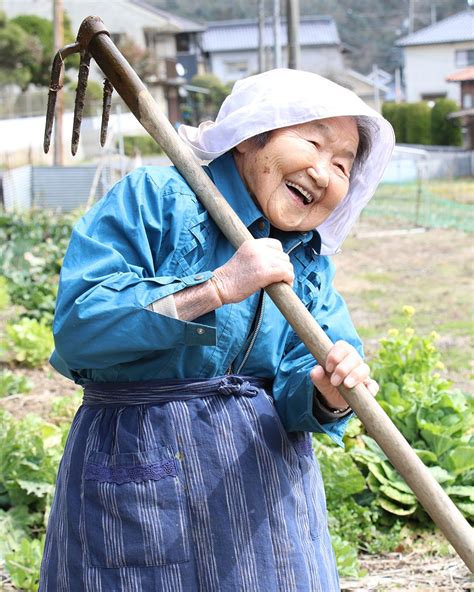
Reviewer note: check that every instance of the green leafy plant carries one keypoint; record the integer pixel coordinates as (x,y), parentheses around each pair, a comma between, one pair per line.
(28,342)
(12,383)
(436,419)
(4,295)
(23,563)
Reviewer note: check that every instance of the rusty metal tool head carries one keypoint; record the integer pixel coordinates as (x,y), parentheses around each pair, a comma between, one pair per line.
(89,28)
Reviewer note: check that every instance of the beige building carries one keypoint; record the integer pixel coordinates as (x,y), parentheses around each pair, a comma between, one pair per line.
(434,52)
(169,38)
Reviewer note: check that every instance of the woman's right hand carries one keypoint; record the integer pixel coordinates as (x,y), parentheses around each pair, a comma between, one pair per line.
(256,264)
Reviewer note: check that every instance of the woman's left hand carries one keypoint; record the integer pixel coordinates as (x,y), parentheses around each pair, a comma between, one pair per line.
(343,365)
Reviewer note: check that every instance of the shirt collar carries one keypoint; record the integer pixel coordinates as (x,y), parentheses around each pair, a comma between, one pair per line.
(226,177)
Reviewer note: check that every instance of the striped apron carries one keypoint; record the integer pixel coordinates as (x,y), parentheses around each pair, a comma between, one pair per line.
(183,486)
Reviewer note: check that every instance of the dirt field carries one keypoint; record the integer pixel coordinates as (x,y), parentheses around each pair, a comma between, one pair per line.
(383,267)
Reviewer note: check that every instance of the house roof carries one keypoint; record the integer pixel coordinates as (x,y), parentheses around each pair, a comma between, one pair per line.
(243,34)
(182,25)
(455,28)
(462,75)
(367,80)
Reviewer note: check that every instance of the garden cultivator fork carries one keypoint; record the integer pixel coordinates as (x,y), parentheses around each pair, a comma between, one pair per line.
(94,41)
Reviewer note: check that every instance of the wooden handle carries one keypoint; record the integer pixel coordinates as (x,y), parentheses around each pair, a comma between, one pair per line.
(430,494)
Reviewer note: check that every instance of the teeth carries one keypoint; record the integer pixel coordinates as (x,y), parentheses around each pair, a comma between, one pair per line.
(308,198)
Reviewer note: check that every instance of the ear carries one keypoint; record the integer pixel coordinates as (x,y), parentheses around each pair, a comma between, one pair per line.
(244,146)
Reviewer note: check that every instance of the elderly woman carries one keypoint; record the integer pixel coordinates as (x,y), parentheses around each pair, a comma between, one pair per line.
(189,466)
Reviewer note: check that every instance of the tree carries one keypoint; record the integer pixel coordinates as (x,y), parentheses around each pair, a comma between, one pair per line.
(206,106)
(444,131)
(20,54)
(42,30)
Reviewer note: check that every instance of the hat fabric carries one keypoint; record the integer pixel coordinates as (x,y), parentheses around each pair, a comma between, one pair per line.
(281,98)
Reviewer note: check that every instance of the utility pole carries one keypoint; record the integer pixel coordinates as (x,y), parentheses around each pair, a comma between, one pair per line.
(261,35)
(276,34)
(411,16)
(58,18)
(293,25)
(375,79)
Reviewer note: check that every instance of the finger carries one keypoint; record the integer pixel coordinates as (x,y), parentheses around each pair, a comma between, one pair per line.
(273,243)
(337,353)
(372,386)
(319,378)
(347,365)
(357,376)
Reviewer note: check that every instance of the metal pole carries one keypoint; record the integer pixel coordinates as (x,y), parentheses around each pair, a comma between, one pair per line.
(276,34)
(58,15)
(261,35)
(293,23)
(132,90)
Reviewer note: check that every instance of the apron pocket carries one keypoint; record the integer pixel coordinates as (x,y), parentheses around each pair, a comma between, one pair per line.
(134,509)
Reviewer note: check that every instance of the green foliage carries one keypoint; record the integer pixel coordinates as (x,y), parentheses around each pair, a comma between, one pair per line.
(12,383)
(23,563)
(396,114)
(32,246)
(444,131)
(20,54)
(4,295)
(143,145)
(28,342)
(411,121)
(201,106)
(42,31)
(369,504)
(436,419)
(31,450)
(418,123)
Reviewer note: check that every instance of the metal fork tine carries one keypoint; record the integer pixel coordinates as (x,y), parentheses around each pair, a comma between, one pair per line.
(106,104)
(54,87)
(80,97)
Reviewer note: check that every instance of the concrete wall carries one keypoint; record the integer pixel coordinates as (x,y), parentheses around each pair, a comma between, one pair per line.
(426,68)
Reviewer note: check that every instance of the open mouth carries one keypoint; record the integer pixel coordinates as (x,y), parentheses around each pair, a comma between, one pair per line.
(300,192)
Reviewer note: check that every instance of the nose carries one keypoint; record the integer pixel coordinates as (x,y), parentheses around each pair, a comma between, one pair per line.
(319,173)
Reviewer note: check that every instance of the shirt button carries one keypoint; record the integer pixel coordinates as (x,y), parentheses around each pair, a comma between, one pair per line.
(200,331)
(261,225)
(198,277)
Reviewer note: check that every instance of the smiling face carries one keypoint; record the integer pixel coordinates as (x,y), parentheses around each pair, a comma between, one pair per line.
(302,173)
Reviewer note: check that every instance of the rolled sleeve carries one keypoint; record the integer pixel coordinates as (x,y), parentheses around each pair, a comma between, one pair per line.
(108,281)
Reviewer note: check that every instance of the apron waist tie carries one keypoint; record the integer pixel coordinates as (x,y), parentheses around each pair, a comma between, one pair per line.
(163,391)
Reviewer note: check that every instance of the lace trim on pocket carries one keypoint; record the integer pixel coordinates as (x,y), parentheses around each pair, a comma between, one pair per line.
(135,474)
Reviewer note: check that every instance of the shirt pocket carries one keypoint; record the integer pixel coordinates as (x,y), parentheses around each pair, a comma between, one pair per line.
(197,245)
(134,509)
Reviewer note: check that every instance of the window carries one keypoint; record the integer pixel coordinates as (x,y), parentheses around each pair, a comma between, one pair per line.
(240,67)
(183,42)
(117,38)
(468,101)
(464,57)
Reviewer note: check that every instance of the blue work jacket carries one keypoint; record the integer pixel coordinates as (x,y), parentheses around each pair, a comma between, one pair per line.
(150,237)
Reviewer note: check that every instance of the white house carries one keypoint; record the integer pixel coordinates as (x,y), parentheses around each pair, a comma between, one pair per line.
(170,39)
(231,47)
(434,52)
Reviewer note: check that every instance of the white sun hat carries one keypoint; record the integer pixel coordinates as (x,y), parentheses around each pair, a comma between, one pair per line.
(280,98)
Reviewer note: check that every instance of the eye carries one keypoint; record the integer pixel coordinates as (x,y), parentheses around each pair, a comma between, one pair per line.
(341,167)
(314,143)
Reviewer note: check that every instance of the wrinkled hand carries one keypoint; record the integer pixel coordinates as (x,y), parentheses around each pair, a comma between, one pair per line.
(256,264)
(343,365)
